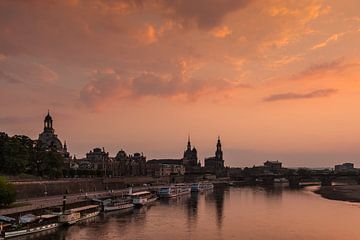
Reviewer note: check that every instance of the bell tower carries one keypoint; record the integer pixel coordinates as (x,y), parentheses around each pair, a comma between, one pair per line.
(48,123)
(188,144)
(219,153)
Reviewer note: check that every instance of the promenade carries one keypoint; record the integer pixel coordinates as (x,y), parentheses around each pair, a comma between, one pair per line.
(51,201)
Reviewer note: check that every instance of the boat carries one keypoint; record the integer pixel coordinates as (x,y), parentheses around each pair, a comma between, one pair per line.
(74,215)
(201,186)
(117,204)
(174,191)
(281,180)
(28,224)
(143,198)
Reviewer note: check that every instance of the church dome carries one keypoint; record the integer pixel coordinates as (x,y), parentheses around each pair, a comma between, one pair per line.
(121,155)
(55,142)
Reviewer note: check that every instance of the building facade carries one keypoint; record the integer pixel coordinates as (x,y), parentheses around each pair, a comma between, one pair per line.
(129,165)
(164,167)
(273,165)
(98,159)
(345,168)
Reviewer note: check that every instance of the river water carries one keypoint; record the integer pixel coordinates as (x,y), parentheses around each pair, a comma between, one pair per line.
(227,213)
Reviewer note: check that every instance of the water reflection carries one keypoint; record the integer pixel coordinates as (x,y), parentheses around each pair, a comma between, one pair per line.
(219,204)
(192,207)
(226,213)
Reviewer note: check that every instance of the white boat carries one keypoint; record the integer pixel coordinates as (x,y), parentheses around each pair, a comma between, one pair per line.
(281,180)
(118,204)
(143,198)
(74,215)
(174,191)
(38,224)
(201,186)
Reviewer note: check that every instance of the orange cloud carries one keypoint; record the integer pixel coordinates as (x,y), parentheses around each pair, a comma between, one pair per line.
(331,67)
(332,38)
(221,32)
(291,96)
(204,14)
(148,35)
(108,86)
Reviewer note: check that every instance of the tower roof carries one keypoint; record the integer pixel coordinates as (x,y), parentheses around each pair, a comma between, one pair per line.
(48,117)
(189,143)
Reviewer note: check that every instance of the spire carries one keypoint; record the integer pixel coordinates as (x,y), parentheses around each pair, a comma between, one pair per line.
(189,143)
(219,153)
(218,143)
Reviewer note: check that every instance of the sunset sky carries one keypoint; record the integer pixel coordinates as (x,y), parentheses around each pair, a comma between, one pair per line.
(277,80)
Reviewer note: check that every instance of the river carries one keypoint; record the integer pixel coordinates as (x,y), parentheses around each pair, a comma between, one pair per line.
(227,213)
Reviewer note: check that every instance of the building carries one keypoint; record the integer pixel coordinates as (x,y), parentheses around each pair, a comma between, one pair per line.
(164,167)
(49,140)
(190,159)
(216,162)
(129,165)
(345,168)
(98,159)
(273,165)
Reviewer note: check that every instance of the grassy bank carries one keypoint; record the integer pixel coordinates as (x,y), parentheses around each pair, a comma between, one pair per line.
(15,205)
(350,193)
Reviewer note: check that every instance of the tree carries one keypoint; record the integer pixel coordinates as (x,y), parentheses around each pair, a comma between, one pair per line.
(15,156)
(7,192)
(51,164)
(3,139)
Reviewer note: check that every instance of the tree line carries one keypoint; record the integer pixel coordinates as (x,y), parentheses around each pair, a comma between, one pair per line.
(7,192)
(20,154)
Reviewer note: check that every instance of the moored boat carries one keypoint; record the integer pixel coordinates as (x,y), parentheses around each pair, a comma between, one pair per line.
(28,224)
(74,215)
(174,191)
(118,204)
(201,186)
(143,198)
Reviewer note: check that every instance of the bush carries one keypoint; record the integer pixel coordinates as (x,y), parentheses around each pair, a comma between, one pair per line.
(7,192)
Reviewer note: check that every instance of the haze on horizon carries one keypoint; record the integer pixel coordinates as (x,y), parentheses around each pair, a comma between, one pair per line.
(277,80)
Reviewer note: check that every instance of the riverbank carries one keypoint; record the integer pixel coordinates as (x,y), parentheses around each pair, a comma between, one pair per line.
(350,193)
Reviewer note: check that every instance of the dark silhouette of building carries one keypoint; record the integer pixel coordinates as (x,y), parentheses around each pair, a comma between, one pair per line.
(273,165)
(98,158)
(129,165)
(346,168)
(190,158)
(49,140)
(164,167)
(217,162)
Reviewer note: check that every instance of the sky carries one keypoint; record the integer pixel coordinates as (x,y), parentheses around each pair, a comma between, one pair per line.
(276,80)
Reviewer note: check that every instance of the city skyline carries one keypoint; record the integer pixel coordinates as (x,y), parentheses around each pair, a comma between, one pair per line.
(53,138)
(276,80)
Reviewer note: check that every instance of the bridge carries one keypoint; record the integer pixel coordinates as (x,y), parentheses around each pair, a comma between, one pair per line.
(295,178)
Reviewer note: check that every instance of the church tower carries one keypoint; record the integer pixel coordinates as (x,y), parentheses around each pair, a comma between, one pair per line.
(188,144)
(218,153)
(48,138)
(190,155)
(48,123)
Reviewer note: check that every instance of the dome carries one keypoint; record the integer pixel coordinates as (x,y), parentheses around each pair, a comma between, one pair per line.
(121,155)
(55,142)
